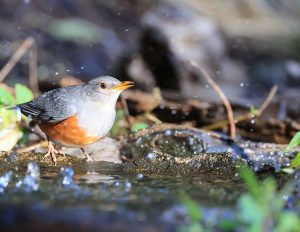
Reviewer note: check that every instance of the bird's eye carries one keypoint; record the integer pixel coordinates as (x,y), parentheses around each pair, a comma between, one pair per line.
(103,85)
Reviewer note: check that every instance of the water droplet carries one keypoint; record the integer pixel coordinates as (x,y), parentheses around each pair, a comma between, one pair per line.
(31,180)
(128,185)
(168,132)
(151,156)
(117,184)
(65,179)
(18,184)
(139,176)
(12,156)
(4,180)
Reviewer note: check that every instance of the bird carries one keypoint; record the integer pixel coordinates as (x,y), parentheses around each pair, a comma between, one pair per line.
(75,116)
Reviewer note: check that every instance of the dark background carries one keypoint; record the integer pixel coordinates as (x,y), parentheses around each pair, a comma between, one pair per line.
(246,46)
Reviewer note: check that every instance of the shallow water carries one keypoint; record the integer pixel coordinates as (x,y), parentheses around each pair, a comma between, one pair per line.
(94,200)
(144,194)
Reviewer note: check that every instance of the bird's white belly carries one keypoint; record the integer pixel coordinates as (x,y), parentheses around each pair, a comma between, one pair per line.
(97,122)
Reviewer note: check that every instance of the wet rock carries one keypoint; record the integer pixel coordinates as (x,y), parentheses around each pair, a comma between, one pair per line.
(165,149)
(20,161)
(178,149)
(267,156)
(181,149)
(105,149)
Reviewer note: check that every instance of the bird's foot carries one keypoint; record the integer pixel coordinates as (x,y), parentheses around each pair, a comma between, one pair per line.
(52,152)
(87,156)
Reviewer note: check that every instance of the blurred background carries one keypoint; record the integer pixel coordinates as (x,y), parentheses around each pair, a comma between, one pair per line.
(247,46)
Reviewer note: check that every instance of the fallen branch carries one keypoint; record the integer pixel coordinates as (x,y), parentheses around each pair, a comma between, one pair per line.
(267,101)
(43,143)
(125,108)
(33,73)
(247,116)
(221,94)
(16,57)
(152,118)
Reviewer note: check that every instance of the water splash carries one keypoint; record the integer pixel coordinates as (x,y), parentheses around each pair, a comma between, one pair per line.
(139,176)
(4,180)
(65,179)
(31,180)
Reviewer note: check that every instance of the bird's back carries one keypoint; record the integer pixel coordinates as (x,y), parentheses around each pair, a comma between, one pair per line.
(53,106)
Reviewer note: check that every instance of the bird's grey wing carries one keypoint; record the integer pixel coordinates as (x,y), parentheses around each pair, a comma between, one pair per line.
(53,106)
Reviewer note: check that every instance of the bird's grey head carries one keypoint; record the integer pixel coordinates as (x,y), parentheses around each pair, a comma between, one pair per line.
(105,89)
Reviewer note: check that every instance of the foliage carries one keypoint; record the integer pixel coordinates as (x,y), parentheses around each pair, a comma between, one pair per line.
(6,98)
(261,208)
(121,126)
(8,117)
(22,94)
(296,161)
(195,214)
(253,110)
(138,126)
(76,30)
(117,128)
(295,141)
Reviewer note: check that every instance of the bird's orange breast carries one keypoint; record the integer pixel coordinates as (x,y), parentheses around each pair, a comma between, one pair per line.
(68,132)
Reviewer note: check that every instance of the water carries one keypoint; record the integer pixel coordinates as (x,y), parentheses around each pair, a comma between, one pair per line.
(4,180)
(139,195)
(119,201)
(46,200)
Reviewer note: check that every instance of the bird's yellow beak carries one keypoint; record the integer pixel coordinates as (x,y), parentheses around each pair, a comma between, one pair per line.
(123,85)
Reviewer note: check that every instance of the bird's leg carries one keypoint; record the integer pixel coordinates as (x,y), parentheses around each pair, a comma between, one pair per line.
(88,157)
(51,151)
(61,150)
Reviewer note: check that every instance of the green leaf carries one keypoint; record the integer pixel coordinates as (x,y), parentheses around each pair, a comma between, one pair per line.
(288,222)
(117,129)
(23,94)
(139,126)
(194,227)
(5,97)
(296,161)
(250,211)
(228,224)
(5,117)
(192,207)
(288,170)
(76,30)
(295,141)
(120,114)
(251,181)
(253,110)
